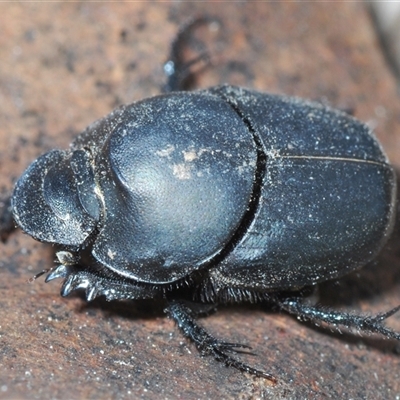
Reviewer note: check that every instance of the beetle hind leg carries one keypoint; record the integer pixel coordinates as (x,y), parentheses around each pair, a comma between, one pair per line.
(178,70)
(369,324)
(209,345)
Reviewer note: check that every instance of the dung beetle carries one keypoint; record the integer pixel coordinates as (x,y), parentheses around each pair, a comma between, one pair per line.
(215,196)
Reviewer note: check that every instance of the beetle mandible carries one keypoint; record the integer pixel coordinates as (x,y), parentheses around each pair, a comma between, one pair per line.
(213,196)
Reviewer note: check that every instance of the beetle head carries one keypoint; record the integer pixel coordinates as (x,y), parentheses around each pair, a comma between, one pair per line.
(55,199)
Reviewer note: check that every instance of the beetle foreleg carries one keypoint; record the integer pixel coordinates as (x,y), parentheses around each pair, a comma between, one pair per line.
(207,344)
(371,324)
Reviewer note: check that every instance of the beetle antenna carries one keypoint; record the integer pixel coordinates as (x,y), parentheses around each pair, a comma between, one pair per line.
(38,275)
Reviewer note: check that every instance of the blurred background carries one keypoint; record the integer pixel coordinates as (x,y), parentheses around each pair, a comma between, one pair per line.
(386,15)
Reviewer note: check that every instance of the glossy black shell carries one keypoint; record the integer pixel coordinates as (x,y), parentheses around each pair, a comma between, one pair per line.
(264,192)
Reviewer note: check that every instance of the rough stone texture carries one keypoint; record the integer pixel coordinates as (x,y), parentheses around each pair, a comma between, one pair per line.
(67,64)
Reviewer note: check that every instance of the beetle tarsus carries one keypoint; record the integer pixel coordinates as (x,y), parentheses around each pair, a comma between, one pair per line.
(207,344)
(371,324)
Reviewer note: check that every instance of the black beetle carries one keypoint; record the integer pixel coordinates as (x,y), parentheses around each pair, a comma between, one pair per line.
(213,196)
